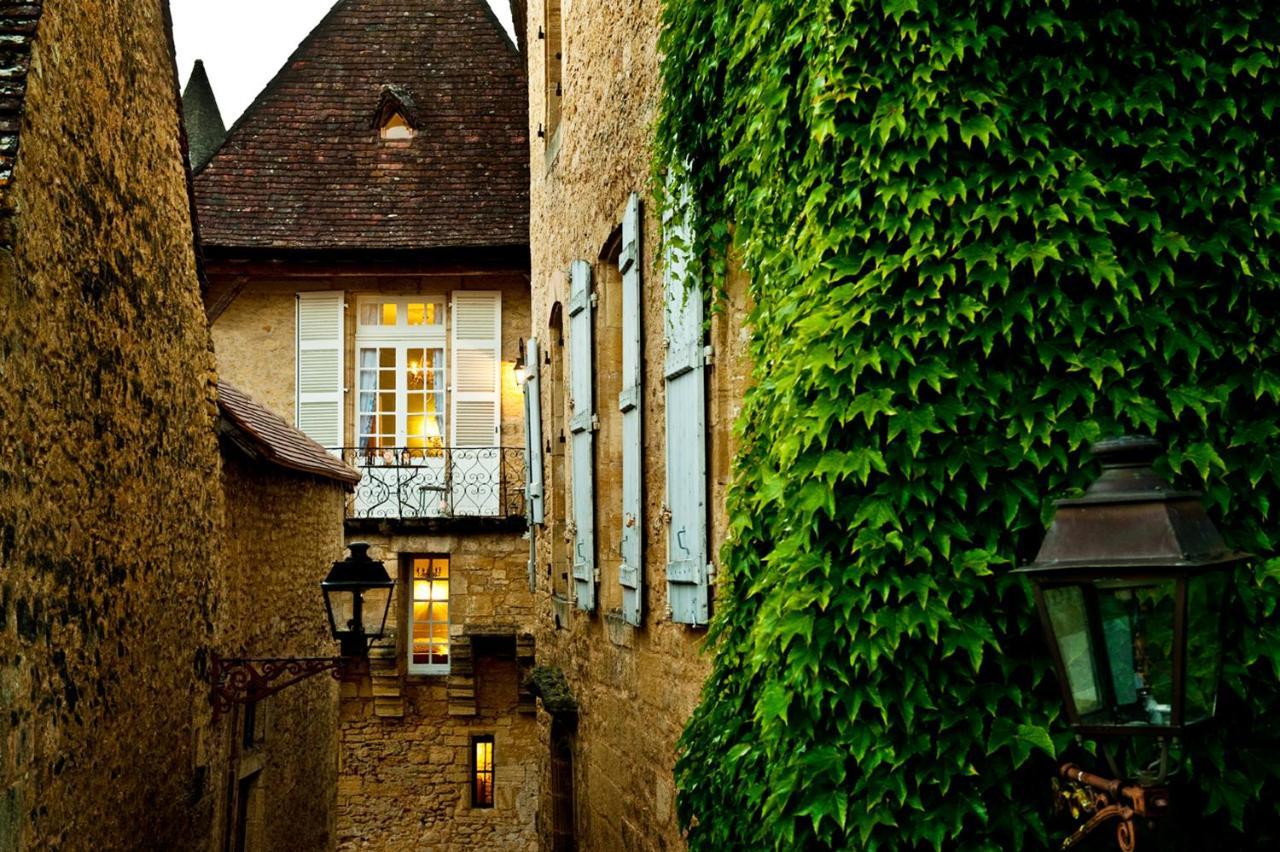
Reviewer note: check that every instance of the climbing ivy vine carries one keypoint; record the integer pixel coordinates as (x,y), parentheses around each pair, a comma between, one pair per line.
(979,235)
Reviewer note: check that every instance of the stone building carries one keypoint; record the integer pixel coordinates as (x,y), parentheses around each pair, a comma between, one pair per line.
(285,498)
(110,510)
(634,397)
(147,520)
(365,230)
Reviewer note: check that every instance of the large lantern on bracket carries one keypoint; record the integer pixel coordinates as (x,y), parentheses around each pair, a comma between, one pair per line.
(357,596)
(1130,584)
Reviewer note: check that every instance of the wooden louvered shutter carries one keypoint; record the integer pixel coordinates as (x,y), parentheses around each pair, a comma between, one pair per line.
(475,344)
(582,437)
(631,573)
(533,433)
(688,569)
(319,367)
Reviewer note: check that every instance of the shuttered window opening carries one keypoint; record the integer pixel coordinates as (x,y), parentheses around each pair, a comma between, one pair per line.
(688,567)
(319,367)
(533,432)
(582,436)
(475,347)
(630,261)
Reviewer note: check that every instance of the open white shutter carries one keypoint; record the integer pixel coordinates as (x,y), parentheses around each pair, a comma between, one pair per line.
(475,393)
(582,438)
(319,367)
(688,569)
(533,433)
(629,401)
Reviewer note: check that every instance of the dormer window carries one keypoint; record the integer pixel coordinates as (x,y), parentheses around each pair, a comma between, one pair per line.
(395,127)
(396,116)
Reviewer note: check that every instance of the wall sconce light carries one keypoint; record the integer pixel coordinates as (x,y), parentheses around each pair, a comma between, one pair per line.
(520,372)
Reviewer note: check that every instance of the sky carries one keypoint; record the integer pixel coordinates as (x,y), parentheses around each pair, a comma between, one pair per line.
(241,59)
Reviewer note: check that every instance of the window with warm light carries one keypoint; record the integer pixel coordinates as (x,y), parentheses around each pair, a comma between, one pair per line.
(429,616)
(400,378)
(395,127)
(482,771)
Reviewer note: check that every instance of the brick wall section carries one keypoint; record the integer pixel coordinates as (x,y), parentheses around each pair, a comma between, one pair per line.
(635,687)
(110,510)
(284,530)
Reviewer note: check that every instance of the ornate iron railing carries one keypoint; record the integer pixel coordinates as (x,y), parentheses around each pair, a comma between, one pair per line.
(409,483)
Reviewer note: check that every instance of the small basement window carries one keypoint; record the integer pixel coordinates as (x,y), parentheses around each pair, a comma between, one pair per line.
(482,771)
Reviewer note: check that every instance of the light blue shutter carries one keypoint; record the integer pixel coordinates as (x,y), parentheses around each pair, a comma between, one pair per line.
(688,570)
(319,367)
(533,433)
(582,438)
(629,262)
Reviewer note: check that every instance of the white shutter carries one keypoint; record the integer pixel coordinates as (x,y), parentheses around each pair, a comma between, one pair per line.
(630,575)
(476,336)
(319,367)
(475,392)
(688,569)
(582,438)
(533,433)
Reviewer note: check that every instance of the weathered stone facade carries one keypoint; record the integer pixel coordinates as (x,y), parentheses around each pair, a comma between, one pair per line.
(283,532)
(110,510)
(634,686)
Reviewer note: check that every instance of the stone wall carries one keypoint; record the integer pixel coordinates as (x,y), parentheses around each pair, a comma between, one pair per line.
(635,686)
(284,531)
(255,335)
(404,756)
(110,510)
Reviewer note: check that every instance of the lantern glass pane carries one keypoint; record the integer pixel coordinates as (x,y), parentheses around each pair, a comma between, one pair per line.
(1066,606)
(1205,595)
(341,604)
(1137,626)
(374,611)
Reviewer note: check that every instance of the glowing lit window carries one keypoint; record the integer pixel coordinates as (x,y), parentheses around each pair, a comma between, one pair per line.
(395,127)
(482,771)
(429,619)
(403,313)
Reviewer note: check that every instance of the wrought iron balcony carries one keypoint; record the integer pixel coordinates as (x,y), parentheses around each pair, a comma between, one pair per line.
(416,484)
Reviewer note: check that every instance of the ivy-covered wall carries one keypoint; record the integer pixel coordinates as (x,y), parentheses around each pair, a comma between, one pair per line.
(979,236)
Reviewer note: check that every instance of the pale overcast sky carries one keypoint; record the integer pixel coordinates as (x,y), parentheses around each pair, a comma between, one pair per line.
(245,42)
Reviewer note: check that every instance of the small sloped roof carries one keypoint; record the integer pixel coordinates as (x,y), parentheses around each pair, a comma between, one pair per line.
(272,439)
(303,168)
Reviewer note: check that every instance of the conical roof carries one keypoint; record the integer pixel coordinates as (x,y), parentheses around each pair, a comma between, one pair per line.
(305,167)
(203,119)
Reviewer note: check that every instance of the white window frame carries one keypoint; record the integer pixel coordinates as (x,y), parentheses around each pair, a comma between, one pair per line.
(402,337)
(429,668)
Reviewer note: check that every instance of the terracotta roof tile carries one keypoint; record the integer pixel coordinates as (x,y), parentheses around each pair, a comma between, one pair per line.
(304,169)
(274,440)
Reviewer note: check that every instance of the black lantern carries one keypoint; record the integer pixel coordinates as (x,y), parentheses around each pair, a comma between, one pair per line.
(357,595)
(1130,584)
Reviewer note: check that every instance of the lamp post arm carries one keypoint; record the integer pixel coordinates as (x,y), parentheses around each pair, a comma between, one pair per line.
(243,680)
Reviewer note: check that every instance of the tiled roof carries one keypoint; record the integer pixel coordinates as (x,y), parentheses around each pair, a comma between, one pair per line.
(17,28)
(205,130)
(304,168)
(272,439)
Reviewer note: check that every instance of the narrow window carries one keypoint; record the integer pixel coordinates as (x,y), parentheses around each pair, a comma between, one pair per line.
(563,827)
(554,67)
(429,618)
(482,771)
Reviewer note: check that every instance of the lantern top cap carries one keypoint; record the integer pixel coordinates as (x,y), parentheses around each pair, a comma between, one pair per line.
(1130,519)
(358,571)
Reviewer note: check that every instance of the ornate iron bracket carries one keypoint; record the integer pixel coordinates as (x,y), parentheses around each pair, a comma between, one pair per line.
(1083,794)
(242,680)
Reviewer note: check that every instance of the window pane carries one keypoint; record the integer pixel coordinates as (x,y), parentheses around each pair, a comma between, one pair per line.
(416,313)
(387,358)
(1070,629)
(369,313)
(389,313)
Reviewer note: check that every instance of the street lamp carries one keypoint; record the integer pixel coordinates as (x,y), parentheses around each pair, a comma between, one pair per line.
(357,598)
(1130,584)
